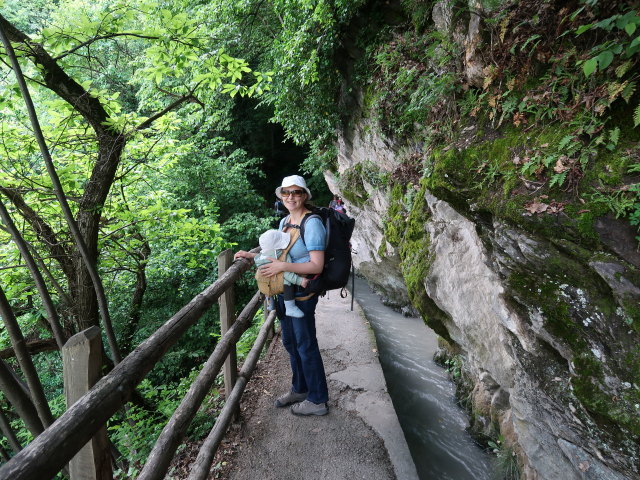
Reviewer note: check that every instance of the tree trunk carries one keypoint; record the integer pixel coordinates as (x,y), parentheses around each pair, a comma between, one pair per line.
(24,359)
(18,397)
(8,432)
(135,311)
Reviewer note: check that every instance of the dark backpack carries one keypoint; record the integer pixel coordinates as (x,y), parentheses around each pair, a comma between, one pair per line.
(337,253)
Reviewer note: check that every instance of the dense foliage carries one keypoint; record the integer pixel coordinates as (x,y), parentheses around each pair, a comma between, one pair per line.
(177,95)
(179,194)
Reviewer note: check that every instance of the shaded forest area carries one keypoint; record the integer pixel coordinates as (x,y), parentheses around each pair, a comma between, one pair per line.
(169,124)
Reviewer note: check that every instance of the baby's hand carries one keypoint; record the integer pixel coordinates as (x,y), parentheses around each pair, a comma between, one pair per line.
(273,268)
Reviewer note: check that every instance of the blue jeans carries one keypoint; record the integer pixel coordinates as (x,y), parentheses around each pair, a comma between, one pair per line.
(299,340)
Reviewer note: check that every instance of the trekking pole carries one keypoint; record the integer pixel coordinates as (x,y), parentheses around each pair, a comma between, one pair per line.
(353,284)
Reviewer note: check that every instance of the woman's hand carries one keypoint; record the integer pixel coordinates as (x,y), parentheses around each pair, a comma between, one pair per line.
(244,254)
(273,268)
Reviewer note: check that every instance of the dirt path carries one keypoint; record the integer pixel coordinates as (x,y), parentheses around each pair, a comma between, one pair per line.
(360,438)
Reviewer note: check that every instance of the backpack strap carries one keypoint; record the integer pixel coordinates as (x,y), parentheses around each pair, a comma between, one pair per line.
(308,216)
(293,236)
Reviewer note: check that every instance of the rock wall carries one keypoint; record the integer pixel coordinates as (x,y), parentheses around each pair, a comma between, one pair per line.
(539,322)
(374,257)
(543,317)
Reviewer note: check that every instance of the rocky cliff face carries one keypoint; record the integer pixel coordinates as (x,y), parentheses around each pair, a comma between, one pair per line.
(542,324)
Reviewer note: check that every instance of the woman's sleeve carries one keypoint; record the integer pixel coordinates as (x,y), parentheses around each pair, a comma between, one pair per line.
(315,234)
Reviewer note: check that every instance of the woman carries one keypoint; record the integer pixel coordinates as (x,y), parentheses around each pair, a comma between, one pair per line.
(308,394)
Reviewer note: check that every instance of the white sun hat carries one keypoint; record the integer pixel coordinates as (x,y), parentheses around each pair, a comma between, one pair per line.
(292,180)
(274,240)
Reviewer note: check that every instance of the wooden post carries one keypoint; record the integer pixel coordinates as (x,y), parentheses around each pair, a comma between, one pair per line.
(82,361)
(227,317)
(265,308)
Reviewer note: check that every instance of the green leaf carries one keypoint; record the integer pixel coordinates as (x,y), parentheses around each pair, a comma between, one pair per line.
(584,28)
(630,28)
(614,137)
(558,179)
(605,59)
(565,141)
(622,69)
(590,66)
(576,13)
(607,23)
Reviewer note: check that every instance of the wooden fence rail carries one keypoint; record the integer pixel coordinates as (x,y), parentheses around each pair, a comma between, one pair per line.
(208,449)
(172,434)
(50,451)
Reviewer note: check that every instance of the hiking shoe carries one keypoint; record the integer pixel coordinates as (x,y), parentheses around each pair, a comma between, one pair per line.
(289,398)
(309,408)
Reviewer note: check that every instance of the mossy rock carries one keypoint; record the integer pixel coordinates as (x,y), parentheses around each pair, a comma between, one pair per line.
(483,172)
(547,286)
(406,231)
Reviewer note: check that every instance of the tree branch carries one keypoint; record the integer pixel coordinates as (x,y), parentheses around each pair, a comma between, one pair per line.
(38,345)
(38,279)
(42,229)
(147,123)
(58,81)
(16,392)
(103,37)
(25,361)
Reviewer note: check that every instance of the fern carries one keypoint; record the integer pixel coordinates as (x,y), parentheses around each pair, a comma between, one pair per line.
(622,69)
(565,141)
(558,179)
(614,136)
(636,116)
(628,91)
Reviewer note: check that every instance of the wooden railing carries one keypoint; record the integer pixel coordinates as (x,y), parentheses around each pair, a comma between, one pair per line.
(51,451)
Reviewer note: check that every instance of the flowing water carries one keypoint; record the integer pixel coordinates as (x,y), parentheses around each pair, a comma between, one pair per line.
(423,395)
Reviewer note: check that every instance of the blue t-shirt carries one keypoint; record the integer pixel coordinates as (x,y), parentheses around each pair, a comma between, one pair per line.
(315,236)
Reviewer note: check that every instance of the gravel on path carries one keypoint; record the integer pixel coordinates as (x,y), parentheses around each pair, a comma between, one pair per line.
(360,438)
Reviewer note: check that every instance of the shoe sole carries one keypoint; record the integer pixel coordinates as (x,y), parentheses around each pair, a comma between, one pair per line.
(279,404)
(319,414)
(282,405)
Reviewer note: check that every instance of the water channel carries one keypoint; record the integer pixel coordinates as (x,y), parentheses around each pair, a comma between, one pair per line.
(423,395)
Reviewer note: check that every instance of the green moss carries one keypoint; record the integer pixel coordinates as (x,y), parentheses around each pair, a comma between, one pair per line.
(488,174)
(588,386)
(573,249)
(632,361)
(632,313)
(352,187)
(531,290)
(352,181)
(542,289)
(409,234)
(382,250)
(588,378)
(395,221)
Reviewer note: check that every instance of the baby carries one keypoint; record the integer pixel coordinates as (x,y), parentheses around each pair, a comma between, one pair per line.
(272,242)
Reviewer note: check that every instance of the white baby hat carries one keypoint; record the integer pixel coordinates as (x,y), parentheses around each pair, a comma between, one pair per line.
(274,240)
